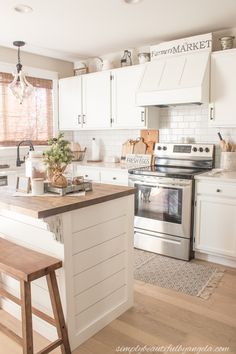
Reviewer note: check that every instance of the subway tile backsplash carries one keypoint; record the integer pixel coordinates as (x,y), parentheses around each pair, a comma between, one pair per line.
(176,124)
(180,124)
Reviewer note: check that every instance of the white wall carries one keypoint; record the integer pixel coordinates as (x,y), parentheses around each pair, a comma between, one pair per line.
(64,68)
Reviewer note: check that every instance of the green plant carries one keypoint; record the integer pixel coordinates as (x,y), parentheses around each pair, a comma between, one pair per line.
(59,155)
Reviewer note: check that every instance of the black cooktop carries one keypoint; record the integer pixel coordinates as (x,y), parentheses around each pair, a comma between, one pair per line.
(163,171)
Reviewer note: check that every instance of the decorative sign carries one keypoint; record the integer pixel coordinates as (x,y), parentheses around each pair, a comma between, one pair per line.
(23,184)
(182,46)
(140,160)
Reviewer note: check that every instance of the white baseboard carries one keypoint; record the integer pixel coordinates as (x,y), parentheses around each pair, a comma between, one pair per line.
(216,259)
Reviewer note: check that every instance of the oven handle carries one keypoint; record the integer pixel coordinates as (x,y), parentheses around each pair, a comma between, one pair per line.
(160,184)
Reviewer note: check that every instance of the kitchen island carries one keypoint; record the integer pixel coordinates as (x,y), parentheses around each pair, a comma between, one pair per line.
(93,235)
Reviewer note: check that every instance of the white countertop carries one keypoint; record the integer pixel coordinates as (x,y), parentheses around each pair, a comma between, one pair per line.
(218,175)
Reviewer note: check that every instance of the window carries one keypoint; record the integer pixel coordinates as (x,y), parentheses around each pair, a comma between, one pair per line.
(33,119)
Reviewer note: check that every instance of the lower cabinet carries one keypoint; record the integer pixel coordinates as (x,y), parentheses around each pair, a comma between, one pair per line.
(114,177)
(103,175)
(90,173)
(215,219)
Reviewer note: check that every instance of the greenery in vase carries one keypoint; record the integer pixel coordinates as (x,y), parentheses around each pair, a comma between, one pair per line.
(59,155)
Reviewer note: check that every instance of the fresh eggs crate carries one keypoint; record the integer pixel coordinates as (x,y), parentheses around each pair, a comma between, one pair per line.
(73,188)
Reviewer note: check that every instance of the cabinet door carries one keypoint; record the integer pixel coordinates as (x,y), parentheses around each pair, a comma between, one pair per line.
(223,88)
(70,103)
(97,100)
(125,113)
(88,173)
(215,225)
(114,177)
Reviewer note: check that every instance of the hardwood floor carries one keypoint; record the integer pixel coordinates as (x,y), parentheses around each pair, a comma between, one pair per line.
(160,317)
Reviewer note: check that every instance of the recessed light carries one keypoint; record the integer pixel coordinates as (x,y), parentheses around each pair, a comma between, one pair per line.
(132,1)
(23,9)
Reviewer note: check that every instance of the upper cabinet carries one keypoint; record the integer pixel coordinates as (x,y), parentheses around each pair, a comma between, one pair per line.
(85,102)
(96,100)
(223,89)
(125,113)
(104,100)
(70,103)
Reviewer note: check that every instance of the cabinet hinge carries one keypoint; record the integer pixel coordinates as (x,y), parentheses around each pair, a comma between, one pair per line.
(195,203)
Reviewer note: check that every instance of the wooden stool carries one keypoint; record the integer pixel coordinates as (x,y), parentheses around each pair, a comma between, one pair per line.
(26,265)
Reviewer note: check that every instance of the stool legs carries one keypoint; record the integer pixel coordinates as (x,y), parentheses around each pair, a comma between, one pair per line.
(26,314)
(58,312)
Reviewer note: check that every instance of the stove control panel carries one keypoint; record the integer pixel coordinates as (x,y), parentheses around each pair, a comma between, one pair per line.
(184,150)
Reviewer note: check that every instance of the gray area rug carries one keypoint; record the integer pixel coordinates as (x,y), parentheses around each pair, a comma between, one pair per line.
(187,277)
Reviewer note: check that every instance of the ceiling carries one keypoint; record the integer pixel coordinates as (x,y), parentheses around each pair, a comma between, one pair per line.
(75,29)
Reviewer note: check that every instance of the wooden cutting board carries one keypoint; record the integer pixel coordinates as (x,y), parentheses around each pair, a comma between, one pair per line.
(127,148)
(150,138)
(140,147)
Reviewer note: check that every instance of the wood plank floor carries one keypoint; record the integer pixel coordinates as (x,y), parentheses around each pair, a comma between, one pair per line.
(159,317)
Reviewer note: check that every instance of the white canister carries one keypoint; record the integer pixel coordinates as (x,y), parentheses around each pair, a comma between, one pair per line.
(37,186)
(228,161)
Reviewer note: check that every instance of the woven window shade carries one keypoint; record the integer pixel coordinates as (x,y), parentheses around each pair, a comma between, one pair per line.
(33,119)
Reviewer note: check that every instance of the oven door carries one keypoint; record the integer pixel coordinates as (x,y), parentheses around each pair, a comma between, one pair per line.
(163,205)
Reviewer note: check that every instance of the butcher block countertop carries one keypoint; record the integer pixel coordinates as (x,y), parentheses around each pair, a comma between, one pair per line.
(44,206)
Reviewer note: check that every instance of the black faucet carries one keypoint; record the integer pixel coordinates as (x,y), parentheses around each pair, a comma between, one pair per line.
(26,142)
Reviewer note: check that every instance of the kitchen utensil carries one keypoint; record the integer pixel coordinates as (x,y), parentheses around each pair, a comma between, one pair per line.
(222,142)
(140,147)
(127,148)
(150,138)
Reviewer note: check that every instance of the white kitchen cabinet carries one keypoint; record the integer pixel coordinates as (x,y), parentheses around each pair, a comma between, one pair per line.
(102,174)
(104,100)
(70,103)
(114,177)
(85,102)
(125,112)
(90,173)
(96,100)
(215,219)
(222,110)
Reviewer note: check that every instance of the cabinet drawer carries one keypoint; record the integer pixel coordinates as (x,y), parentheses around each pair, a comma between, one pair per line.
(115,177)
(89,173)
(217,189)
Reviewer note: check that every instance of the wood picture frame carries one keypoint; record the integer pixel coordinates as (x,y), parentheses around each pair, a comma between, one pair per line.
(23,184)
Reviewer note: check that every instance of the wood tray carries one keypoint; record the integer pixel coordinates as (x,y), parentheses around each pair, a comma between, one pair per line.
(85,186)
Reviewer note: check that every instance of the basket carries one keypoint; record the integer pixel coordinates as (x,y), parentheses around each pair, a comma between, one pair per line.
(79,155)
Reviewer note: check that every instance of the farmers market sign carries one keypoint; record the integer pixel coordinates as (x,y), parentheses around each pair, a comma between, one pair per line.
(182,46)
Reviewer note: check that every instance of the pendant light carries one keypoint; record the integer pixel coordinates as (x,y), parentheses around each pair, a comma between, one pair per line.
(20,87)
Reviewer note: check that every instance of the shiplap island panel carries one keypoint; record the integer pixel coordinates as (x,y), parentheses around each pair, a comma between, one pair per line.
(93,236)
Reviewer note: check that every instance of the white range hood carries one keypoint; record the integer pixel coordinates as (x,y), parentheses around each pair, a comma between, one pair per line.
(173,80)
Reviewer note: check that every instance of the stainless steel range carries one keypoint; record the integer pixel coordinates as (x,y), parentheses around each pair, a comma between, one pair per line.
(164,198)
